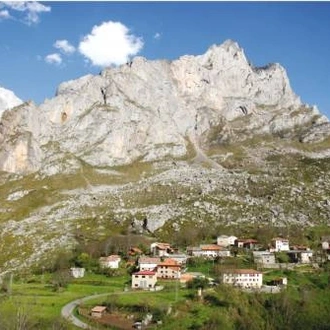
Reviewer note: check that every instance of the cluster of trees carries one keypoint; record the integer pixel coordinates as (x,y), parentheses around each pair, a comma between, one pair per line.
(228,308)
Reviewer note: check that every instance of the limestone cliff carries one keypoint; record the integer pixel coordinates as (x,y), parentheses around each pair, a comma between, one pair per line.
(149,110)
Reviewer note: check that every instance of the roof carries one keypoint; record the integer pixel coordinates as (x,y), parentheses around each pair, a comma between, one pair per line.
(161,246)
(280,239)
(145,272)
(241,271)
(110,258)
(149,260)
(210,247)
(99,309)
(169,262)
(247,240)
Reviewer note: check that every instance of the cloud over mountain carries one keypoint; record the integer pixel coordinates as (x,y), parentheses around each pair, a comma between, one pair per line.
(110,44)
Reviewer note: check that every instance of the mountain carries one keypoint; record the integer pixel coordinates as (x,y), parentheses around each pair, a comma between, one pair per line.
(161,147)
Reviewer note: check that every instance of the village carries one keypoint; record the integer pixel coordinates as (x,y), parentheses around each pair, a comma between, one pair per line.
(165,262)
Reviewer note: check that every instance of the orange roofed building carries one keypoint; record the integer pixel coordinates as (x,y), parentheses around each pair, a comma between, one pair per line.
(169,269)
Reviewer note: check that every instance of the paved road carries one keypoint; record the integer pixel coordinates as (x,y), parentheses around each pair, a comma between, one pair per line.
(67,310)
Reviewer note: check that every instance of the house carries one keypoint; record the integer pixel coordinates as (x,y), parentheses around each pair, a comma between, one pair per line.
(278,281)
(160,249)
(110,261)
(187,277)
(264,257)
(224,240)
(213,250)
(279,244)
(208,251)
(246,243)
(144,279)
(325,241)
(180,258)
(300,256)
(98,311)
(244,278)
(77,272)
(147,263)
(169,269)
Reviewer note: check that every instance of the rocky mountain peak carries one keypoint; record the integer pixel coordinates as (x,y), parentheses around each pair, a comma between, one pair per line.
(149,110)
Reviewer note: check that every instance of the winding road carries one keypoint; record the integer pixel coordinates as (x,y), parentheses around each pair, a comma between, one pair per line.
(68,309)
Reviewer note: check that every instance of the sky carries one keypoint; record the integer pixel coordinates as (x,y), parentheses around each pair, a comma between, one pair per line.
(45,43)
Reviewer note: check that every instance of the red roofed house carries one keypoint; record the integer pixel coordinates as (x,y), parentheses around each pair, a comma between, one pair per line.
(247,243)
(169,269)
(110,261)
(245,278)
(144,279)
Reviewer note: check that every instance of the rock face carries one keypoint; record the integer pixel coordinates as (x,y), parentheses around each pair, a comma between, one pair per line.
(8,100)
(149,110)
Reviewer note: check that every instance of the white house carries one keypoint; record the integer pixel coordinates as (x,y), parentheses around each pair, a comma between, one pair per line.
(244,278)
(147,263)
(325,242)
(160,249)
(110,261)
(77,272)
(145,279)
(279,244)
(208,251)
(264,257)
(224,240)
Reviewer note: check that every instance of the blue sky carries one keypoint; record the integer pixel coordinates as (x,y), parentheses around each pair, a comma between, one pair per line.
(294,34)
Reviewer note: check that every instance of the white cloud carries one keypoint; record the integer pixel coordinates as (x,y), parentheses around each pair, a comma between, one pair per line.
(157,36)
(30,9)
(64,46)
(110,44)
(4,14)
(53,59)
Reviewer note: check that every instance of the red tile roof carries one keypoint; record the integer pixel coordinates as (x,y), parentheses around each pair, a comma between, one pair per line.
(145,272)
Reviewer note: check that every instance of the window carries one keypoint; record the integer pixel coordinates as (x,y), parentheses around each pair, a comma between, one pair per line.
(143,276)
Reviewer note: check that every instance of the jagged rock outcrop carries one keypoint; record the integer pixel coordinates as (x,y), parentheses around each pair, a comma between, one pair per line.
(146,110)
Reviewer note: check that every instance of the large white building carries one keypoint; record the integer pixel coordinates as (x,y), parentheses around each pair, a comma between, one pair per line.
(244,278)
